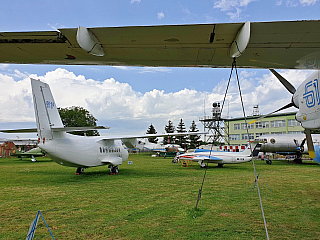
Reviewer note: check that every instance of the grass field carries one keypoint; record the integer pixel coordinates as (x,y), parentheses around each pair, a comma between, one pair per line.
(155,199)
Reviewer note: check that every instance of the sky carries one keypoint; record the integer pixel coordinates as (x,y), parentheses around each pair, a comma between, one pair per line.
(129,99)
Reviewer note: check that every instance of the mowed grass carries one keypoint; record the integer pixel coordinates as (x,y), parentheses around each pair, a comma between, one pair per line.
(155,199)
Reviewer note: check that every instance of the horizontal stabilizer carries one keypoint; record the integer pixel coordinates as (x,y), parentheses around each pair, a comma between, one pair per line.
(131,142)
(25,130)
(75,129)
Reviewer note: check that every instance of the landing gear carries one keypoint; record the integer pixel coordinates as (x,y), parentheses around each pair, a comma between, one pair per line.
(298,159)
(220,165)
(203,165)
(114,170)
(268,161)
(80,171)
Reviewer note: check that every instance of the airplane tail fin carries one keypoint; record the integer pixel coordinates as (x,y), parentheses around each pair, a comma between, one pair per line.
(46,112)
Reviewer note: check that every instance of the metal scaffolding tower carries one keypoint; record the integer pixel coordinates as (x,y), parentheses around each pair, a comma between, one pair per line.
(218,128)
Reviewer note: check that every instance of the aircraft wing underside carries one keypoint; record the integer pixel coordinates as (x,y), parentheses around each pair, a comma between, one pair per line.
(294,44)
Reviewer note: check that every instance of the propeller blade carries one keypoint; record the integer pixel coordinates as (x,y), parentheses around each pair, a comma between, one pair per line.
(284,82)
(310,143)
(284,107)
(296,142)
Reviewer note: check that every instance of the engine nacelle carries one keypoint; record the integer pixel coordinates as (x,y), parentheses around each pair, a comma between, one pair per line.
(89,42)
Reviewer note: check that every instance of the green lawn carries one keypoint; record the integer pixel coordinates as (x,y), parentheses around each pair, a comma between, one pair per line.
(155,199)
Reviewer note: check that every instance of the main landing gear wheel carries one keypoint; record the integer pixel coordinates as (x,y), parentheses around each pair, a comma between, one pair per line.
(80,171)
(220,165)
(114,170)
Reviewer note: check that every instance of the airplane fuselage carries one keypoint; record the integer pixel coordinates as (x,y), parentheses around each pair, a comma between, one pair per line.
(80,151)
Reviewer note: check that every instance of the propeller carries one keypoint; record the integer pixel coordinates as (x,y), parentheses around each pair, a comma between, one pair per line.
(301,146)
(292,90)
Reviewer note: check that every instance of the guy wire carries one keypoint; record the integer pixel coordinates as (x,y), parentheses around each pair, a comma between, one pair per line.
(254,167)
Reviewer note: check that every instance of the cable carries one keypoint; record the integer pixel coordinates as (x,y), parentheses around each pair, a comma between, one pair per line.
(205,173)
(254,167)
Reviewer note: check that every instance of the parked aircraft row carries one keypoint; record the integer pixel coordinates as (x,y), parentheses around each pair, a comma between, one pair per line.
(286,45)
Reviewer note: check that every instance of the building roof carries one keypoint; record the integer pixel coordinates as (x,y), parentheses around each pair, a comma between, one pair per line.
(254,117)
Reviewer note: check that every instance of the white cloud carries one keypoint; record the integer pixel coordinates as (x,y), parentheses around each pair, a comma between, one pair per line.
(114,102)
(233,8)
(133,1)
(108,100)
(4,66)
(160,15)
(308,2)
(295,3)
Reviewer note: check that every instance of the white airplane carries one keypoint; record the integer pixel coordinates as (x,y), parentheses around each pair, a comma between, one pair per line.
(287,144)
(156,147)
(72,150)
(203,156)
(307,99)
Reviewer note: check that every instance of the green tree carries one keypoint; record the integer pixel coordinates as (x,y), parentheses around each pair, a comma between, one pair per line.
(181,140)
(152,130)
(78,117)
(194,139)
(169,129)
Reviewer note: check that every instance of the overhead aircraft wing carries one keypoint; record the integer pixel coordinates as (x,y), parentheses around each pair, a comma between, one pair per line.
(284,44)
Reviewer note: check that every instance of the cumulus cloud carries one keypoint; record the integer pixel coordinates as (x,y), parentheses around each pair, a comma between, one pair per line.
(233,8)
(108,100)
(160,15)
(113,102)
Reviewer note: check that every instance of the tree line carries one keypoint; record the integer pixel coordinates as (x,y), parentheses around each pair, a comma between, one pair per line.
(186,142)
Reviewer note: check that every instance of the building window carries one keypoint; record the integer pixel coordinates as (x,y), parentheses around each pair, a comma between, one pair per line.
(261,134)
(245,136)
(278,123)
(295,132)
(278,132)
(293,122)
(243,126)
(262,124)
(236,126)
(234,137)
